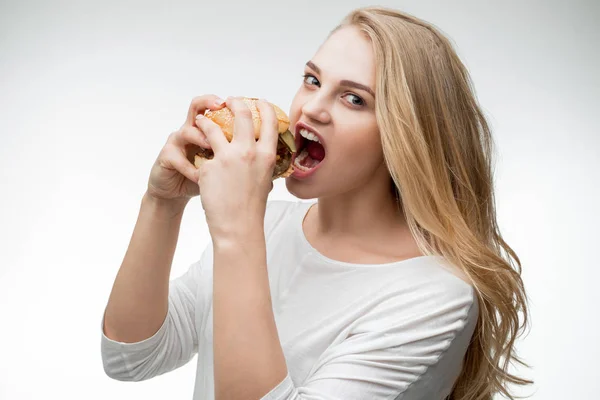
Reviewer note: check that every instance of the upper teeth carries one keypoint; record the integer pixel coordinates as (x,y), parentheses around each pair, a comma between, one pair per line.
(309,135)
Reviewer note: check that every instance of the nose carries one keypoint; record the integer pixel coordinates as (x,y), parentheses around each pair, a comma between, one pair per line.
(315,108)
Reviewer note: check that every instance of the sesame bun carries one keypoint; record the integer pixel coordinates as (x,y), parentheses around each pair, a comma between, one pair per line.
(285,147)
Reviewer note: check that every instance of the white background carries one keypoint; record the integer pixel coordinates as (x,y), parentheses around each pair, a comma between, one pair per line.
(89,92)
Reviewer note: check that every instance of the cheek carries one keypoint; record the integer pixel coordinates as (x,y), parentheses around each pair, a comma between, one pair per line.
(295,108)
(360,143)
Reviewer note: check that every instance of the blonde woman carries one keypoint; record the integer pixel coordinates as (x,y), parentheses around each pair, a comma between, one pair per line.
(394,284)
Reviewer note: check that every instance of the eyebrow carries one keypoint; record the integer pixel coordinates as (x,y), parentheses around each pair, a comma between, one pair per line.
(344,82)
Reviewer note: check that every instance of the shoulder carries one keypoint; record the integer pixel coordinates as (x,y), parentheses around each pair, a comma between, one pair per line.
(426,293)
(447,281)
(448,290)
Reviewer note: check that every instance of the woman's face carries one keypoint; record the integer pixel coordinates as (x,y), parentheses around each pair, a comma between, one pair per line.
(336,102)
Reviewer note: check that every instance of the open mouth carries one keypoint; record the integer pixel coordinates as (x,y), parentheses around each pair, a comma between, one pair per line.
(310,151)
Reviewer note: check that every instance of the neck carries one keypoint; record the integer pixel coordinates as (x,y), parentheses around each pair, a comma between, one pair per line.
(367,212)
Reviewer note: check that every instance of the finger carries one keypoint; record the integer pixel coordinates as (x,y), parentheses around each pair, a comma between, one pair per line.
(177,158)
(202,103)
(269,127)
(243,127)
(213,133)
(193,135)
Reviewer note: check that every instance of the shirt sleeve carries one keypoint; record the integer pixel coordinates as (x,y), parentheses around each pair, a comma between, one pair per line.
(176,341)
(172,346)
(400,351)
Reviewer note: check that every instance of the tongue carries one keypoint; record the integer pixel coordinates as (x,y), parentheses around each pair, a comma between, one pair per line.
(316,151)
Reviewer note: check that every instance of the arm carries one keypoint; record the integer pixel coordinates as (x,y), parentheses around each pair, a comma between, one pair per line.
(248,358)
(176,340)
(138,302)
(146,327)
(150,325)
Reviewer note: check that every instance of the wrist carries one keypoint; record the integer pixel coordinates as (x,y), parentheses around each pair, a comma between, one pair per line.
(164,208)
(247,235)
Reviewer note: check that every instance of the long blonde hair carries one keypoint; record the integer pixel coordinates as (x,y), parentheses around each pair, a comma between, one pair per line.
(438,148)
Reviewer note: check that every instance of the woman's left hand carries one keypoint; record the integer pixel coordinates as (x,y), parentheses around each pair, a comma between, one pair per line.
(235,184)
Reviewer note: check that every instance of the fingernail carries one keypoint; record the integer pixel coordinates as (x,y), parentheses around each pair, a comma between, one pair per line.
(199,117)
(219,102)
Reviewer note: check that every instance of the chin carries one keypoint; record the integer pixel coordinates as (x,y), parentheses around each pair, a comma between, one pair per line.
(301,190)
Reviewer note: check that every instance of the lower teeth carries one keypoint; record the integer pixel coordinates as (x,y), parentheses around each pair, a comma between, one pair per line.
(301,157)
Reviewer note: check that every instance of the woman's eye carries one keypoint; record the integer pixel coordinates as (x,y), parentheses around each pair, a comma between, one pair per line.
(311,80)
(355,100)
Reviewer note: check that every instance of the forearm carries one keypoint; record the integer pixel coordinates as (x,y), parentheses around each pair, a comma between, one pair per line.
(138,302)
(248,358)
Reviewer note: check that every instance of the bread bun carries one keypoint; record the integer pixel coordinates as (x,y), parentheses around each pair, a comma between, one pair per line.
(224,118)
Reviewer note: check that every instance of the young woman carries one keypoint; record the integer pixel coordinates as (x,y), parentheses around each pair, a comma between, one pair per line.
(394,284)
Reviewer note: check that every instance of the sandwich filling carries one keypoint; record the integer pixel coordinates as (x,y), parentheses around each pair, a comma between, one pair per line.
(284,153)
(310,153)
(285,149)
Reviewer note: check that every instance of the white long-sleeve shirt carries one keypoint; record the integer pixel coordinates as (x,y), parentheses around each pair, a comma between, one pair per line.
(348,331)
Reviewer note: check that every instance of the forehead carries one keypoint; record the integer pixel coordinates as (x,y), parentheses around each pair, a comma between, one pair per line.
(347,54)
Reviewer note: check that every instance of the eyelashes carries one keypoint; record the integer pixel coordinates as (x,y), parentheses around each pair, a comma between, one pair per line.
(311,80)
(305,77)
(361,102)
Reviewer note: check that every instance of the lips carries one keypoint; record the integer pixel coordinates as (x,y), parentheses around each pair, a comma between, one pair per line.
(303,145)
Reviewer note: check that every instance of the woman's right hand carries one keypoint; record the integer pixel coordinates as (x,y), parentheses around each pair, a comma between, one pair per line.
(173,175)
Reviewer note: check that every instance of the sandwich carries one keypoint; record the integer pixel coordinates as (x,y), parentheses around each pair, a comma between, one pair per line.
(285,147)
